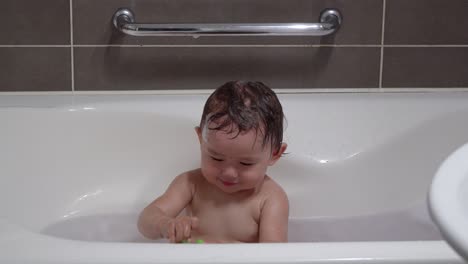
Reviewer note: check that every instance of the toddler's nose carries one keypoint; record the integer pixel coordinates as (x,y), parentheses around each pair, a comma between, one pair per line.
(229,174)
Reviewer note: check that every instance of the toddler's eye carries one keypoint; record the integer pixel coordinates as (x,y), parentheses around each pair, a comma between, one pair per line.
(247,164)
(216,159)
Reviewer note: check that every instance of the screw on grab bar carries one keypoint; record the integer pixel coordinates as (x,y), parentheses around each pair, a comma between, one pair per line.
(329,22)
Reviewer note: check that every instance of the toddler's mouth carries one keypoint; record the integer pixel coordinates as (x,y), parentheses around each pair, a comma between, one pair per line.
(227,183)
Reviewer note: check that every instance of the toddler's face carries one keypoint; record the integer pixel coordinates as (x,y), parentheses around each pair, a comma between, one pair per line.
(235,164)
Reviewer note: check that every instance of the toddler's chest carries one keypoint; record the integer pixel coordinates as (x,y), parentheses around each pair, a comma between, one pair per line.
(226,220)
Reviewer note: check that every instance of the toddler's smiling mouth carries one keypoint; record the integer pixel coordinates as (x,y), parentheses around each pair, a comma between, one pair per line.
(227,183)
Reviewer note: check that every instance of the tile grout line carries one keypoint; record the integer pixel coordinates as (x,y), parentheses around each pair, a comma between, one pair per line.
(34,46)
(231,45)
(382,46)
(277,90)
(72,53)
(239,46)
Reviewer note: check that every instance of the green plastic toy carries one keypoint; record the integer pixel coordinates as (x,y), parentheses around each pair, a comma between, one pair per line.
(198,241)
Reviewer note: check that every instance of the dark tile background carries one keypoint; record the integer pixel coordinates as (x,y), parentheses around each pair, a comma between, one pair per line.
(29,22)
(425,45)
(426,22)
(425,67)
(113,68)
(35,69)
(92,23)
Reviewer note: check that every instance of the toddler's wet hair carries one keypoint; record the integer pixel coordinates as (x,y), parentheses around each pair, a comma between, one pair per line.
(240,106)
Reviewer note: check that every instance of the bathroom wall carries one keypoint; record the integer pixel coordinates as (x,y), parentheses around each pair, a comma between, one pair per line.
(383,45)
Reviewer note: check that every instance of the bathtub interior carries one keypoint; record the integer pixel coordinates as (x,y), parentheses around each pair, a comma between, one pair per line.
(358,167)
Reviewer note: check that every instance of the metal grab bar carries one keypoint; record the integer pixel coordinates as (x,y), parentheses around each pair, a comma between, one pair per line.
(330,21)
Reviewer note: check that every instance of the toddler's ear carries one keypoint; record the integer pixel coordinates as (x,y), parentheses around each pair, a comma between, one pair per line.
(276,155)
(199,133)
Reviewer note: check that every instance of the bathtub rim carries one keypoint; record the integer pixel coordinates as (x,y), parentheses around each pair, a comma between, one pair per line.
(60,98)
(23,246)
(73,98)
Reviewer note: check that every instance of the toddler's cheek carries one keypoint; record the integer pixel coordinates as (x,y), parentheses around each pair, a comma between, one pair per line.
(255,176)
(209,172)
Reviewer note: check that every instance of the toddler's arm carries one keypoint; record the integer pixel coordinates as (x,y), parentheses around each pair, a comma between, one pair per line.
(274,218)
(159,219)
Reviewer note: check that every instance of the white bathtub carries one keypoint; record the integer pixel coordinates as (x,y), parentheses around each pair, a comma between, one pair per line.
(76,170)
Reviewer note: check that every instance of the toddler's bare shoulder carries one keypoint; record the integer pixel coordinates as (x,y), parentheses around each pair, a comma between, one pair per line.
(273,191)
(194,176)
(188,179)
(191,175)
(269,185)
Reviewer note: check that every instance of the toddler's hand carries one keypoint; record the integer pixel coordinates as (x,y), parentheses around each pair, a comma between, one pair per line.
(180,228)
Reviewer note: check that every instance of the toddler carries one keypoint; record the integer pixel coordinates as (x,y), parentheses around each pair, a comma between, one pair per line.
(229,198)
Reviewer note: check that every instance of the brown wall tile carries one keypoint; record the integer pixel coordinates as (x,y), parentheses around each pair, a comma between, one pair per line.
(425,67)
(114,68)
(426,22)
(26,22)
(92,19)
(35,69)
